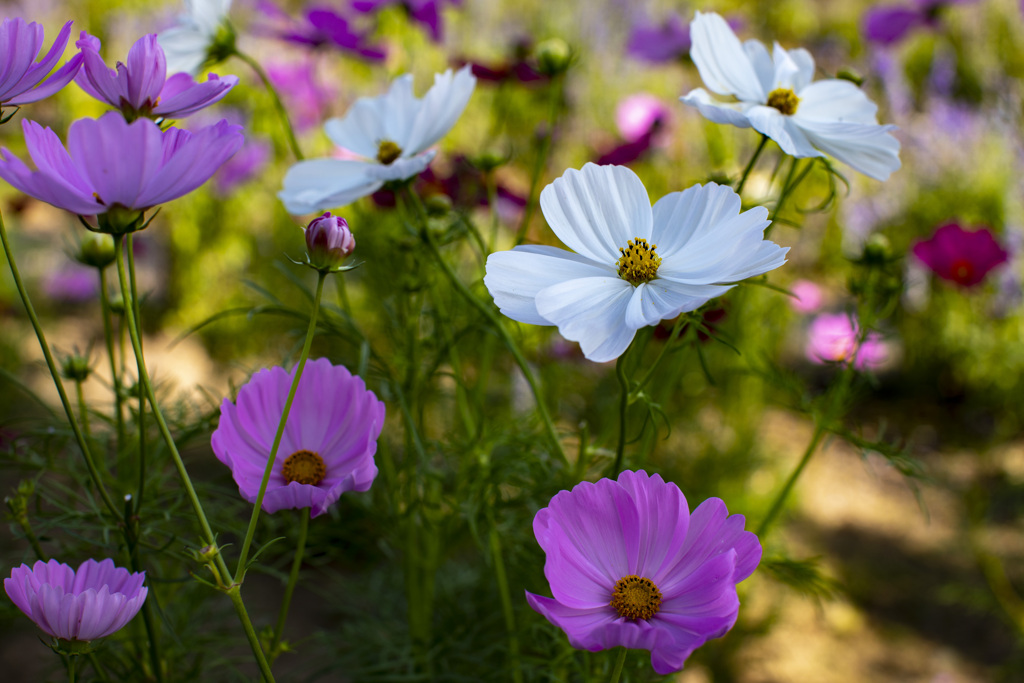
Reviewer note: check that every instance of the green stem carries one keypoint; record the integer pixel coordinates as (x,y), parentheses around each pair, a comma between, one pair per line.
(661,354)
(83,409)
(620,373)
(542,158)
(788,186)
(620,662)
(282,113)
(136,308)
(750,164)
(115,376)
(235,593)
(780,500)
(506,602)
(293,579)
(71,668)
(251,531)
(83,445)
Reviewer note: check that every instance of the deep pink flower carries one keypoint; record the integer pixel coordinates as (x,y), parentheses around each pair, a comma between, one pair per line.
(112,165)
(629,565)
(141,87)
(637,114)
(86,604)
(328,443)
(832,337)
(961,256)
(21,78)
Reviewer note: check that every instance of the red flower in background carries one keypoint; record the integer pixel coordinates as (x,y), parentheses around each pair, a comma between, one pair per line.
(961,256)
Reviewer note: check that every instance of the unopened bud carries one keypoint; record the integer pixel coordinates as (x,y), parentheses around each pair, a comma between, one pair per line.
(96,250)
(553,56)
(328,242)
(877,250)
(438,204)
(75,368)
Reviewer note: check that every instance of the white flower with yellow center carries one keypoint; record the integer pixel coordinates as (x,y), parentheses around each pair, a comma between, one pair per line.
(393,132)
(631,265)
(202,34)
(775,95)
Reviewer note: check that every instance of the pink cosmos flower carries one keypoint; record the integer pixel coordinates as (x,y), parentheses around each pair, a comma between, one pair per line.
(832,337)
(86,604)
(637,114)
(629,565)
(961,256)
(807,296)
(21,78)
(141,87)
(328,443)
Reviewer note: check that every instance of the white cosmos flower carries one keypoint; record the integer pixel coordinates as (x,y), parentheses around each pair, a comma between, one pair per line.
(776,97)
(631,265)
(188,44)
(393,132)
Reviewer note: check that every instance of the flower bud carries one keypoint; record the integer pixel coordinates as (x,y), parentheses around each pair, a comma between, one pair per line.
(96,250)
(328,241)
(75,368)
(877,250)
(553,56)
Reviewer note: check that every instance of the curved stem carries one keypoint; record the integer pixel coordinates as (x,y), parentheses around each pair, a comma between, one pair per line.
(780,500)
(251,531)
(506,601)
(293,579)
(235,593)
(83,409)
(620,373)
(115,376)
(619,663)
(83,445)
(282,113)
(750,164)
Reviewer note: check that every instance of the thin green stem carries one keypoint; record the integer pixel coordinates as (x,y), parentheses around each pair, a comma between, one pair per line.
(661,354)
(282,113)
(83,409)
(133,283)
(506,602)
(115,376)
(750,164)
(251,531)
(293,579)
(71,668)
(620,662)
(780,500)
(789,185)
(235,593)
(542,158)
(83,444)
(620,374)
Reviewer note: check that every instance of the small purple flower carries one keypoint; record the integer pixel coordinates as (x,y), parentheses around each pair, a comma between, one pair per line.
(961,256)
(667,42)
(807,296)
(629,565)
(320,27)
(833,337)
(328,241)
(890,24)
(141,87)
(71,283)
(82,605)
(112,166)
(22,79)
(328,444)
(242,167)
(426,12)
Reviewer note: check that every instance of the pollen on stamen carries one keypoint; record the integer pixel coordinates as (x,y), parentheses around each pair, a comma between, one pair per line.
(635,597)
(639,261)
(388,152)
(783,99)
(305,467)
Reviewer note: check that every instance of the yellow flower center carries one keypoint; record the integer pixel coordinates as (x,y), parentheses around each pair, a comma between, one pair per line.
(783,99)
(635,598)
(387,152)
(639,261)
(305,467)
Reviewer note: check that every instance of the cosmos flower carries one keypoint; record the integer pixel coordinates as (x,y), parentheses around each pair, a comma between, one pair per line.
(306,98)
(25,80)
(320,27)
(833,338)
(141,87)
(393,132)
(774,95)
(328,443)
(629,565)
(807,296)
(82,605)
(637,114)
(961,256)
(633,265)
(657,43)
(426,12)
(329,241)
(890,23)
(202,36)
(243,166)
(112,166)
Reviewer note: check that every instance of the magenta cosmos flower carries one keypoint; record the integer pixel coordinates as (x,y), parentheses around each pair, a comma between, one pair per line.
(141,87)
(833,337)
(328,443)
(961,256)
(87,604)
(629,565)
(21,78)
(112,166)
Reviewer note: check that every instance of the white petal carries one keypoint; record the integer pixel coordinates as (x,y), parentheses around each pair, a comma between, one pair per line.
(787,72)
(374,119)
(780,128)
(208,14)
(591,311)
(867,148)
(402,168)
(441,108)
(719,112)
(659,300)
(721,60)
(759,58)
(515,277)
(835,100)
(805,68)
(184,48)
(597,210)
(692,213)
(323,183)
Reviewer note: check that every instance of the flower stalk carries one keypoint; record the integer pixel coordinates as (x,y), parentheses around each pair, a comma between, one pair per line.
(279,107)
(293,579)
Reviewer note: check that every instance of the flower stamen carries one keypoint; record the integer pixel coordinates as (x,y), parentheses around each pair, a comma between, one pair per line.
(387,152)
(635,598)
(639,261)
(305,467)
(783,99)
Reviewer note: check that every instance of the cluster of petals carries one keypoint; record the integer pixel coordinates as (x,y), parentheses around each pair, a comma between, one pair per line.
(320,27)
(891,23)
(836,338)
(24,80)
(657,43)
(333,416)
(398,118)
(425,12)
(111,163)
(961,256)
(141,87)
(640,526)
(704,241)
(91,602)
(831,116)
(188,44)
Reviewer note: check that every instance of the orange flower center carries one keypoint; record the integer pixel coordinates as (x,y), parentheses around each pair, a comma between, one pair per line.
(783,99)
(305,467)
(635,598)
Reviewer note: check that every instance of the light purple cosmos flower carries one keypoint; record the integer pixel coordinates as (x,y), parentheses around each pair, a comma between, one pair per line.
(71,283)
(889,24)
(833,337)
(242,167)
(328,443)
(630,565)
(657,43)
(83,605)
(320,27)
(141,87)
(21,78)
(112,166)
(961,256)
(426,12)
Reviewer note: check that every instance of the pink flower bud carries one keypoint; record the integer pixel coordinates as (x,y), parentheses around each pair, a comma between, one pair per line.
(328,241)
